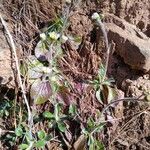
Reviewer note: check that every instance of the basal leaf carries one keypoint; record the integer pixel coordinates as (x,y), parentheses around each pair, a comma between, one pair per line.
(48,137)
(48,115)
(99,127)
(99,96)
(40,144)
(72,109)
(91,140)
(105,94)
(99,145)
(64,95)
(61,126)
(23,146)
(101,73)
(90,123)
(57,111)
(111,93)
(84,131)
(19,131)
(40,100)
(40,91)
(41,134)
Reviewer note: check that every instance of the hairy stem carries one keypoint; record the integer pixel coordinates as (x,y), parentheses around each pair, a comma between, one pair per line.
(102,26)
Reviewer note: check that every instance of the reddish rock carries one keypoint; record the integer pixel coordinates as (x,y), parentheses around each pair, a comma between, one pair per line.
(130,43)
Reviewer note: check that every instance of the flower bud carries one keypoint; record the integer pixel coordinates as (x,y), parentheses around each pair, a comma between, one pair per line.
(54,36)
(95,16)
(64,38)
(43,36)
(68,1)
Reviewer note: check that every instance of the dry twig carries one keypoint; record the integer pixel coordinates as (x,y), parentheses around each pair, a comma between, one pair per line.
(13,48)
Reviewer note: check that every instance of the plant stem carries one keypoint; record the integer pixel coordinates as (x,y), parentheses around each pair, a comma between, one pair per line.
(123,99)
(102,26)
(13,48)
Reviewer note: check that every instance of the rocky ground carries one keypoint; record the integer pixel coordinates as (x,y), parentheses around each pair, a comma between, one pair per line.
(128,28)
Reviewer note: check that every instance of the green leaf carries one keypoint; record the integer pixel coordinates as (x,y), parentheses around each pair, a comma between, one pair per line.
(98,128)
(41,50)
(90,140)
(18,131)
(28,137)
(90,123)
(51,124)
(109,81)
(111,94)
(57,111)
(48,138)
(61,126)
(91,147)
(34,69)
(48,115)
(78,39)
(41,134)
(84,131)
(40,100)
(99,96)
(40,144)
(40,91)
(23,69)
(72,109)
(6,113)
(101,73)
(23,146)
(99,145)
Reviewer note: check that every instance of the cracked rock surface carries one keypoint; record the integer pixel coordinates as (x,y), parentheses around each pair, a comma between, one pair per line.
(130,43)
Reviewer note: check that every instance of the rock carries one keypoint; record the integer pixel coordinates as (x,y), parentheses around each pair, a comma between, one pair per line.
(133,11)
(80,24)
(138,87)
(130,43)
(6,61)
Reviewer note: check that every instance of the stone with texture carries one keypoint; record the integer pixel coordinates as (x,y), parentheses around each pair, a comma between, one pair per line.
(130,43)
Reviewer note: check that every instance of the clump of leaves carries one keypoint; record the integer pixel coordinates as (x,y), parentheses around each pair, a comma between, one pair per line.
(42,139)
(91,129)
(105,92)
(72,110)
(5,106)
(8,139)
(56,119)
(41,69)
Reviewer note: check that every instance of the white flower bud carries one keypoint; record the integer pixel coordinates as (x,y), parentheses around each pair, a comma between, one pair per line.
(54,79)
(43,36)
(46,70)
(95,16)
(64,38)
(54,35)
(68,1)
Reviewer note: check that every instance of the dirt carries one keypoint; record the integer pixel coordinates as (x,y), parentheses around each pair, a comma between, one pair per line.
(131,130)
